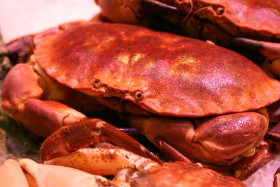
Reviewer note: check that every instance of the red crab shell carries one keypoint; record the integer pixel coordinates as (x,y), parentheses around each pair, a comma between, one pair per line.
(192,72)
(160,72)
(250,27)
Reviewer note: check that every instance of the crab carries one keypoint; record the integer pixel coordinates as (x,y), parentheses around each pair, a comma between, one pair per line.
(188,97)
(142,172)
(252,25)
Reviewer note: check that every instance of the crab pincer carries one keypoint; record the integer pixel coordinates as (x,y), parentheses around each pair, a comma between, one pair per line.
(88,132)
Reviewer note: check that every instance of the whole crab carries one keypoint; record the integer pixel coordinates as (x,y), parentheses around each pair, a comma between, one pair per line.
(253,24)
(188,96)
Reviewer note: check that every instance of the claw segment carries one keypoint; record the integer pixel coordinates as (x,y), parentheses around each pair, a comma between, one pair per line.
(131,131)
(101,161)
(274,133)
(270,50)
(247,166)
(171,151)
(89,131)
(159,6)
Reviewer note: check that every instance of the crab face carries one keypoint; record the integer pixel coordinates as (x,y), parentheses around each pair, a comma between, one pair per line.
(189,96)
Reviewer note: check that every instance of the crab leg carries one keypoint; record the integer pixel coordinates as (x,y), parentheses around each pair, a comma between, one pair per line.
(274,116)
(20,49)
(274,133)
(159,6)
(21,98)
(173,153)
(274,111)
(270,50)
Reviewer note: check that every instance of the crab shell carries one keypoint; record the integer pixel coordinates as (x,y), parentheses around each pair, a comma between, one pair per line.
(183,174)
(255,19)
(240,25)
(162,73)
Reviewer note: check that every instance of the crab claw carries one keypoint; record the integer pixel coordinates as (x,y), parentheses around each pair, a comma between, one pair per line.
(11,174)
(89,131)
(101,161)
(26,173)
(271,51)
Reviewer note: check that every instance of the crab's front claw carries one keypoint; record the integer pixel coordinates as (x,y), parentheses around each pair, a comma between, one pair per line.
(86,132)
(271,52)
(221,139)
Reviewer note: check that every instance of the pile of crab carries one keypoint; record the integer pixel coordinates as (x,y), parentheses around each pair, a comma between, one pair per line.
(98,90)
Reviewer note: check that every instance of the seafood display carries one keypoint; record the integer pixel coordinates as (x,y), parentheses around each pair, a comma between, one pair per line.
(115,99)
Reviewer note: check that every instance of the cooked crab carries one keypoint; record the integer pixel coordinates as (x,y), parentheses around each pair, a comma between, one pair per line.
(220,21)
(187,96)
